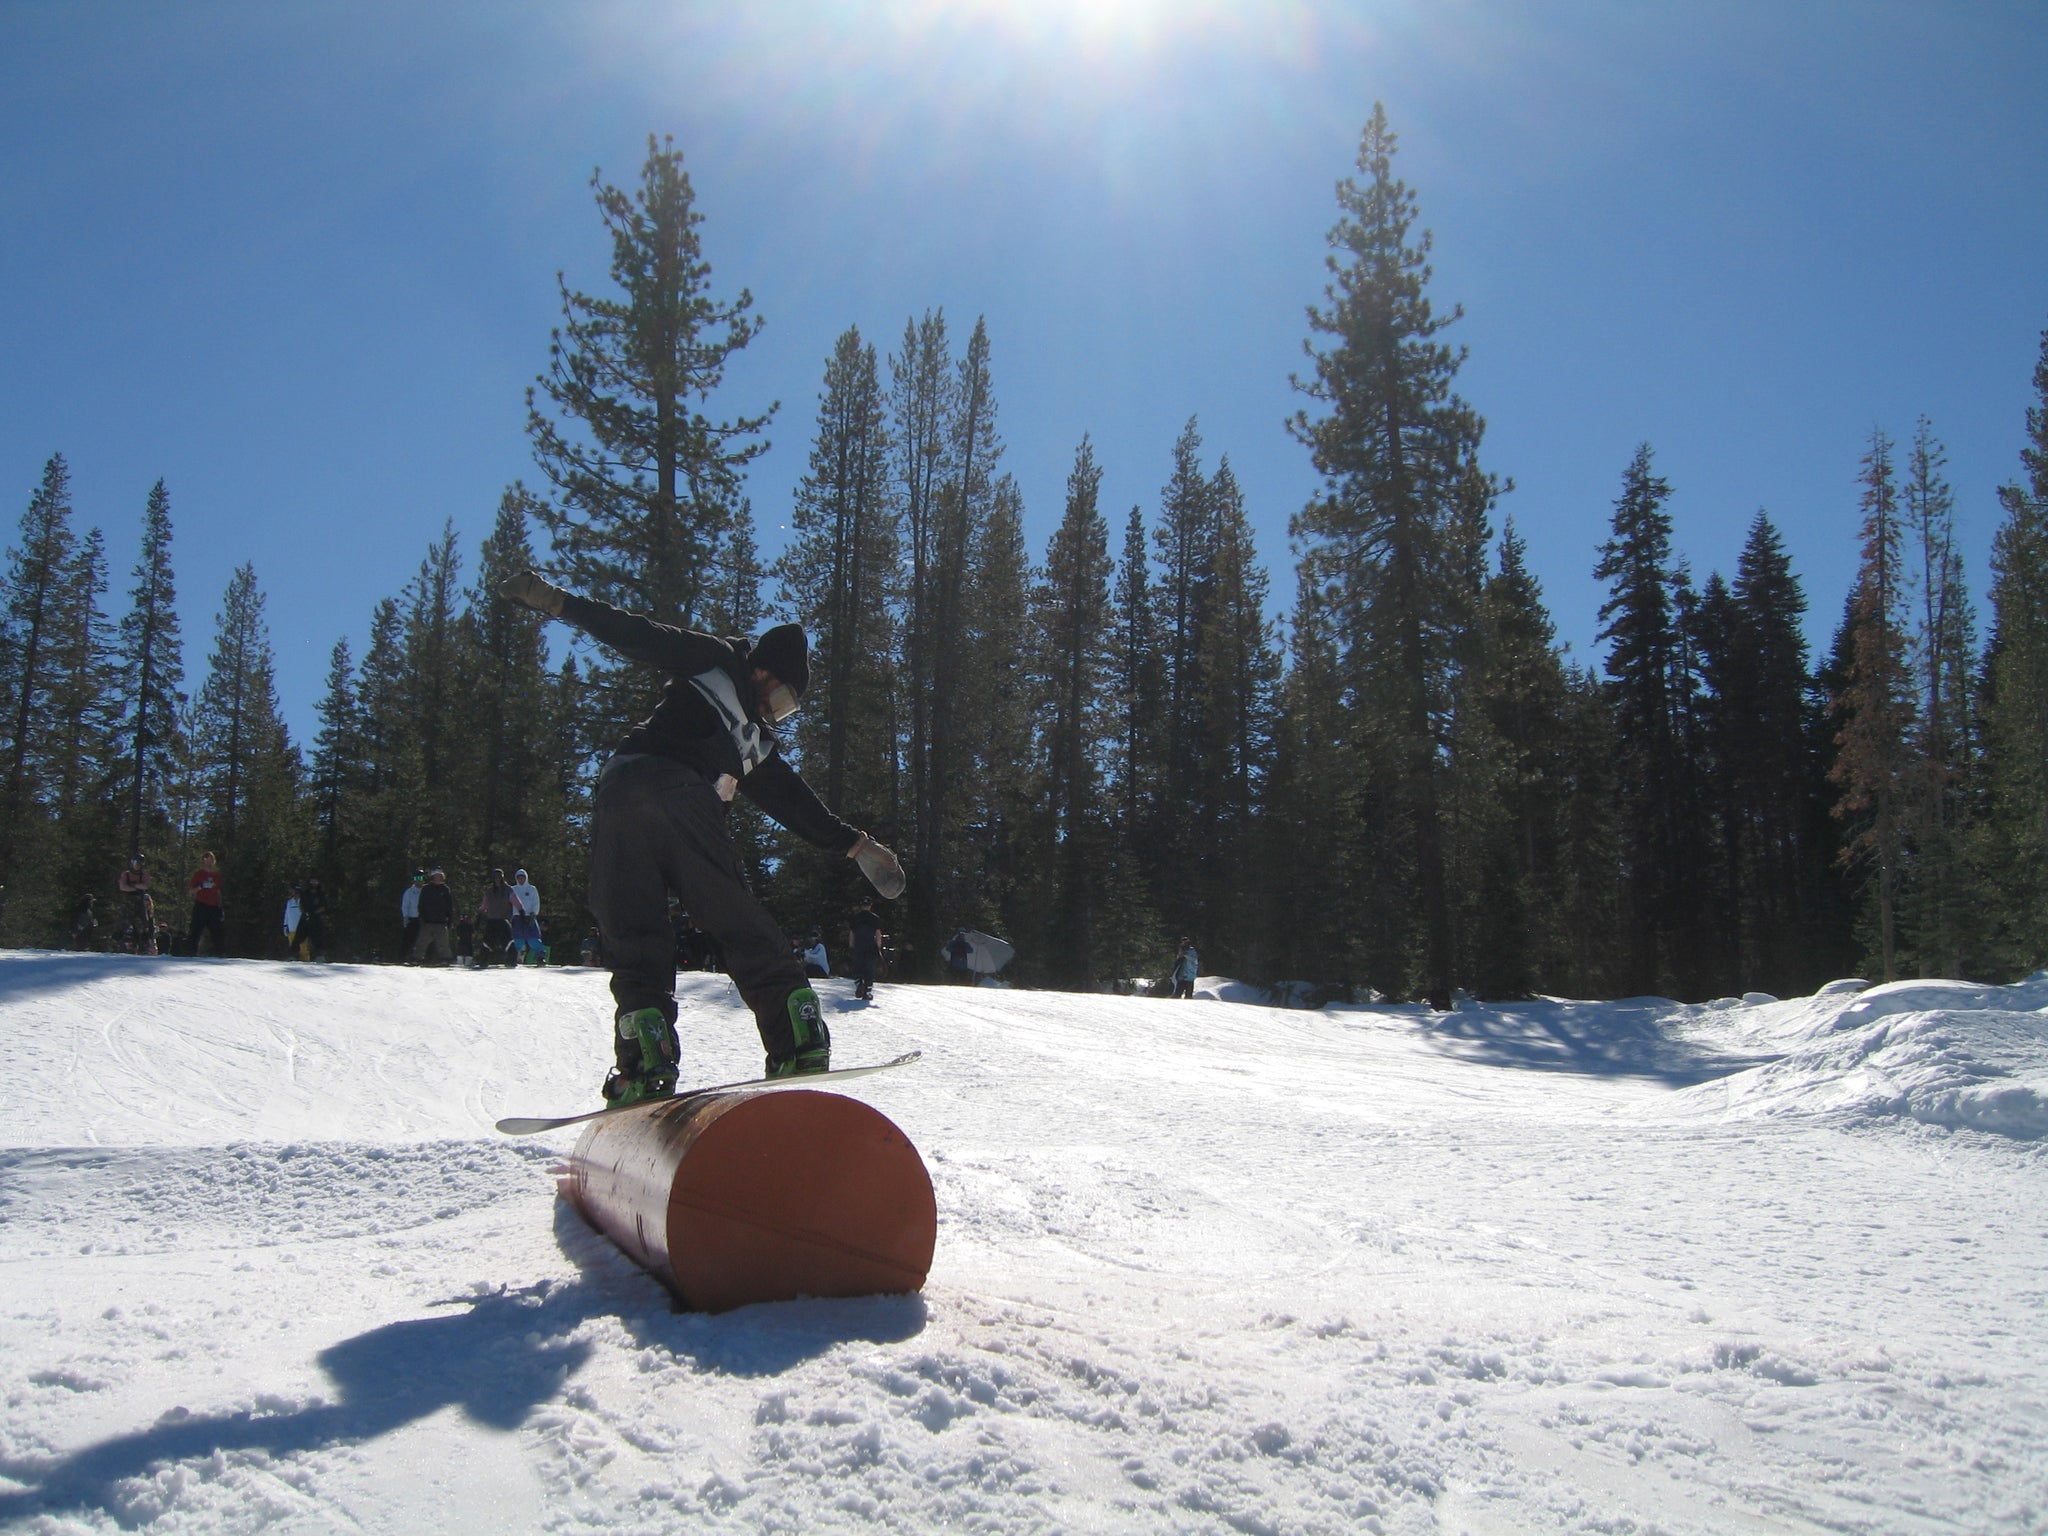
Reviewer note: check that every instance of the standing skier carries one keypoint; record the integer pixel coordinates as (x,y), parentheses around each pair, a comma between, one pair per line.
(659,827)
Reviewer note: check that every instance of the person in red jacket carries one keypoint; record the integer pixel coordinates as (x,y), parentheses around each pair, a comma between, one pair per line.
(658,828)
(205,887)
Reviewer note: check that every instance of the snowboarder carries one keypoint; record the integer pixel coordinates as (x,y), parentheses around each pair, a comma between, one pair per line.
(1187,965)
(659,827)
(864,929)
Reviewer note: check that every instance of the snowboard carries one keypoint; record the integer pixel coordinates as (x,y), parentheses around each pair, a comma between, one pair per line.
(528,1125)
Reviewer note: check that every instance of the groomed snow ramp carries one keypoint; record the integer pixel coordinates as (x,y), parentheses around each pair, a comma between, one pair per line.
(734,1198)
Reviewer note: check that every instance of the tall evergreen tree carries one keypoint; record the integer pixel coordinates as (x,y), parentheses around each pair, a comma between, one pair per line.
(152,666)
(248,770)
(1072,618)
(1133,937)
(514,805)
(36,616)
(1238,675)
(1184,539)
(336,773)
(649,484)
(839,577)
(1647,669)
(1515,936)
(2012,843)
(1875,763)
(1941,901)
(1389,535)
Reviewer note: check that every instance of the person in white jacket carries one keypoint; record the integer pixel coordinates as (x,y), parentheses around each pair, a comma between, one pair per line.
(526,918)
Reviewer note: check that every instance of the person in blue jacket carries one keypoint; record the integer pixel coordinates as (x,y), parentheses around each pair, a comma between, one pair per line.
(658,828)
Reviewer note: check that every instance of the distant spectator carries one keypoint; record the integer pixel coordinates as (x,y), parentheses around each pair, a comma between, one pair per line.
(140,906)
(409,915)
(864,928)
(494,936)
(959,950)
(292,911)
(526,938)
(592,952)
(206,916)
(85,922)
(437,911)
(1187,965)
(816,962)
(313,920)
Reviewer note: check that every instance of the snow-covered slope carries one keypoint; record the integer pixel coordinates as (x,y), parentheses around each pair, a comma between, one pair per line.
(1749,1266)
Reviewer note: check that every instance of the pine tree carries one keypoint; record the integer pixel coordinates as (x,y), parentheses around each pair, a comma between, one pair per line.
(35,617)
(1648,671)
(1389,536)
(439,706)
(1133,936)
(998,792)
(1238,675)
(1764,723)
(1184,540)
(650,485)
(1515,936)
(838,578)
(2012,843)
(921,401)
(1327,927)
(1072,618)
(1875,763)
(513,803)
(337,771)
(248,770)
(152,666)
(82,767)
(1941,900)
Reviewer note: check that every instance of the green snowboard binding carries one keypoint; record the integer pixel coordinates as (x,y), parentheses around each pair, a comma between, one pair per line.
(647,1052)
(813,1042)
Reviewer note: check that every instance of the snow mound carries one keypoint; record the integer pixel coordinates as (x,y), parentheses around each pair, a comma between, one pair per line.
(1943,1053)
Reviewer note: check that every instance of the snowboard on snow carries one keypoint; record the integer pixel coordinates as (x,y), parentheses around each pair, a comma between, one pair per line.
(528,1125)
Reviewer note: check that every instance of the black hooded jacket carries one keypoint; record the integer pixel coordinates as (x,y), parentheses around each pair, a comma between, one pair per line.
(707,718)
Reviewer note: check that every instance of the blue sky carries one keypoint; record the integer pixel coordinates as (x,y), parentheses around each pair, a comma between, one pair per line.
(299,260)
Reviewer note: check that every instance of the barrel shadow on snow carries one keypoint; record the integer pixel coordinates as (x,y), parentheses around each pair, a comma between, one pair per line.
(1610,1040)
(496,1356)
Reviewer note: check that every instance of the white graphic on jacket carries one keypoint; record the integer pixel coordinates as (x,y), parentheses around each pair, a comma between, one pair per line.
(716,687)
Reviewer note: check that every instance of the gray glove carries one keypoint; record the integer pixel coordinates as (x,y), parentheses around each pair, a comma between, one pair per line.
(881,867)
(535,592)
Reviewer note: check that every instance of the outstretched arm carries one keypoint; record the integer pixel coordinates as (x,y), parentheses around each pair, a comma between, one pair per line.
(630,634)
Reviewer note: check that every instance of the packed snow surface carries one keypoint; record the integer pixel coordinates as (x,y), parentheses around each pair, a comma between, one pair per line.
(1208,1266)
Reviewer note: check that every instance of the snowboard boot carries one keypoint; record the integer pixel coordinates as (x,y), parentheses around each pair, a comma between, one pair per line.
(647,1053)
(813,1052)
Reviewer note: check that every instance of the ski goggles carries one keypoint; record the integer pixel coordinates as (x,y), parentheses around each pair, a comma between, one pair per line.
(781,702)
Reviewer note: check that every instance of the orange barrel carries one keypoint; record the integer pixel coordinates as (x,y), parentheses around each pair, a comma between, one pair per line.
(734,1198)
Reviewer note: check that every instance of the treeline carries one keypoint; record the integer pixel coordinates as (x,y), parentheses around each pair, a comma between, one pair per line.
(1098,747)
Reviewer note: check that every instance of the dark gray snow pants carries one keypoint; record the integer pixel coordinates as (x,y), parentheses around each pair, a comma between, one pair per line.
(658,828)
